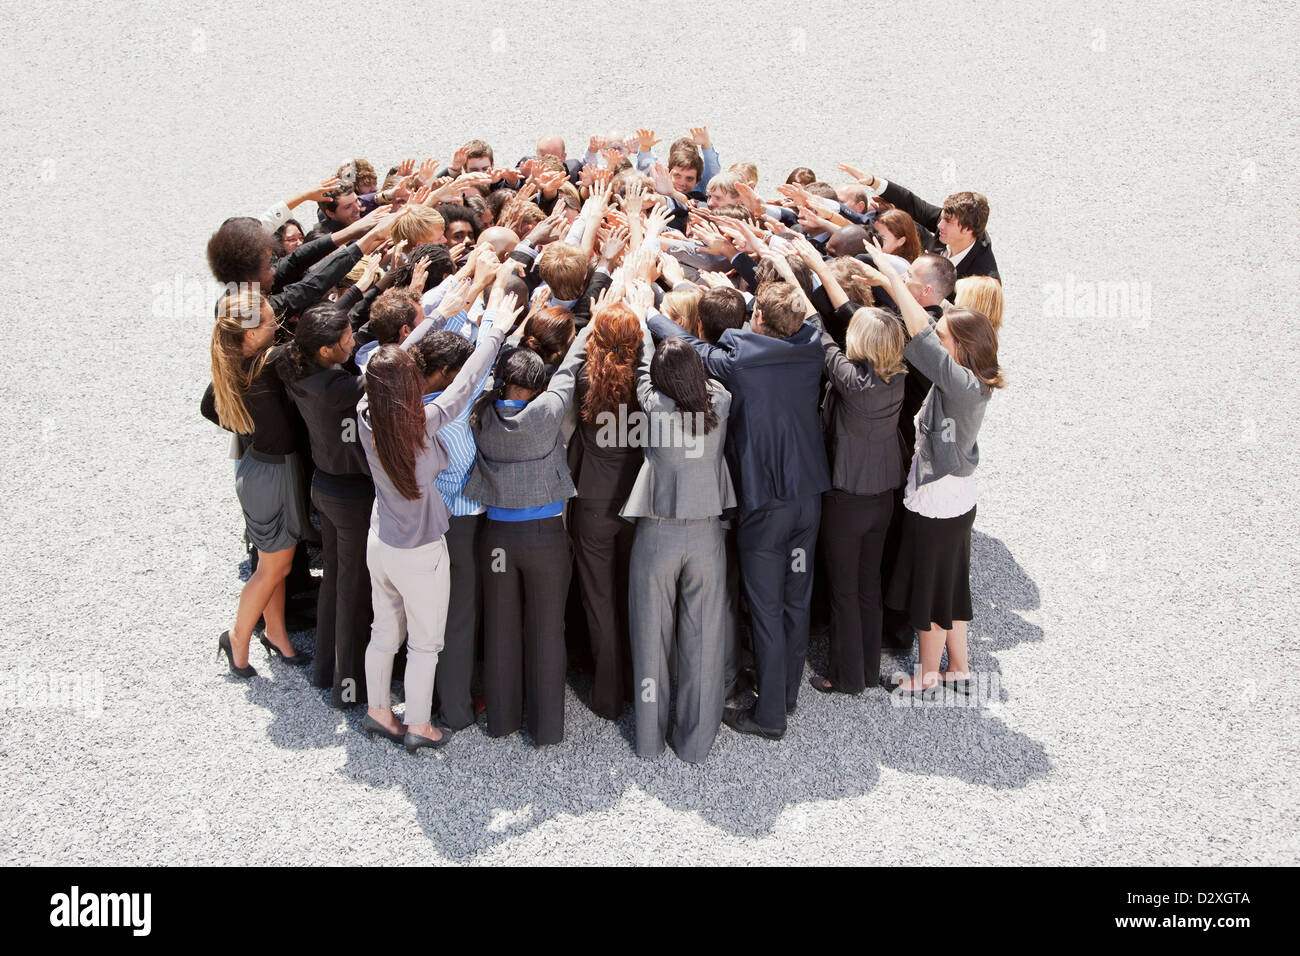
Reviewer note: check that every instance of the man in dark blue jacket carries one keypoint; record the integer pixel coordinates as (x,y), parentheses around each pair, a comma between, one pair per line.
(778,460)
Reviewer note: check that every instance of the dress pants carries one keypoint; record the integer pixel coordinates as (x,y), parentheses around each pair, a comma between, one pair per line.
(343,605)
(776,544)
(456,662)
(602,546)
(526,568)
(895,621)
(678,601)
(853,538)
(409,589)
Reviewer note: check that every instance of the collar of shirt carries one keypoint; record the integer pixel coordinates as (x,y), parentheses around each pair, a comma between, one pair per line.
(510,403)
(563,303)
(954,259)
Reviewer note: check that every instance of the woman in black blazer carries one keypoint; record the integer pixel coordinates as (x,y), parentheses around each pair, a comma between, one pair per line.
(323,382)
(860,413)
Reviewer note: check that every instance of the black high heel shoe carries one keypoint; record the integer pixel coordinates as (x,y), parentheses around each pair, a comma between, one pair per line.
(298,660)
(223,644)
(372,727)
(416,741)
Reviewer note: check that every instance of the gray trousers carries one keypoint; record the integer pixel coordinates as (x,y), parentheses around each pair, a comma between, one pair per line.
(410,588)
(678,596)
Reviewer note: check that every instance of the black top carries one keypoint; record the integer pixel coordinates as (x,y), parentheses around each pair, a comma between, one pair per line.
(275,420)
(604,469)
(327,400)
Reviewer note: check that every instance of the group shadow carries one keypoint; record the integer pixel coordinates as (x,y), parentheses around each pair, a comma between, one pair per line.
(479,791)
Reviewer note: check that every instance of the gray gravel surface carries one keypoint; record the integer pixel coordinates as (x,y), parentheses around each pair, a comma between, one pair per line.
(1136,548)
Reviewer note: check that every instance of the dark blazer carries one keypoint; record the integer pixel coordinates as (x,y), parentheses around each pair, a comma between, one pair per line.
(327,400)
(978,260)
(774,441)
(861,420)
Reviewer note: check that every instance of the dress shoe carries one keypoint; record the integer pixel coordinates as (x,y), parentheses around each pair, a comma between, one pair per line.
(742,722)
(415,742)
(223,646)
(372,727)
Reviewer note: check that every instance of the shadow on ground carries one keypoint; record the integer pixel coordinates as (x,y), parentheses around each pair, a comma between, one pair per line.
(477,791)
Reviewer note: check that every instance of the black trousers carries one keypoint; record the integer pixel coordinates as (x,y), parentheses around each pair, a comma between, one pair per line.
(343,605)
(853,539)
(776,546)
(456,660)
(525,568)
(602,549)
(895,621)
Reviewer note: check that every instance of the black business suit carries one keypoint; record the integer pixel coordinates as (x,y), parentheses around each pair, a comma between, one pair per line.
(978,261)
(778,460)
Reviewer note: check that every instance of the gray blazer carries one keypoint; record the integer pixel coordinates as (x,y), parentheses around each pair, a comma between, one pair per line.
(953,412)
(860,415)
(521,459)
(679,478)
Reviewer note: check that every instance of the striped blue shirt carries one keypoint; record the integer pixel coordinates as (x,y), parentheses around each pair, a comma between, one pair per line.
(457,438)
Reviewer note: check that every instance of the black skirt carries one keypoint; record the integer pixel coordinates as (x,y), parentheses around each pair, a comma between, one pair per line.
(931,579)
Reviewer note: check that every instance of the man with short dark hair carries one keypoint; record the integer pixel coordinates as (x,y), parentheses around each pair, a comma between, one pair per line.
(337,208)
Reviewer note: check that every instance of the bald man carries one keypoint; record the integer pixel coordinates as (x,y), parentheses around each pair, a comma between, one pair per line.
(552,144)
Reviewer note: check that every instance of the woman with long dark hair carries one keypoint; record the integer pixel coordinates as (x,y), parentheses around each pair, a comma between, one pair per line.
(326,385)
(604,467)
(931,578)
(678,601)
(247,397)
(523,479)
(406,550)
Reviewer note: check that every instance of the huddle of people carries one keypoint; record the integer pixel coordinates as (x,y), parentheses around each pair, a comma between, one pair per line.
(616,411)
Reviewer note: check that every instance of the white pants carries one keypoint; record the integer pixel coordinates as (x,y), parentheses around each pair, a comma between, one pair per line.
(410,588)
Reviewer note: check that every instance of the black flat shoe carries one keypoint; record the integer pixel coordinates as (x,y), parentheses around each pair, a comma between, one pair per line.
(372,727)
(742,722)
(414,741)
(223,644)
(298,660)
(894,689)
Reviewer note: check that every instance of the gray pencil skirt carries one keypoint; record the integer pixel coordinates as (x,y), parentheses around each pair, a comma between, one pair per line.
(270,492)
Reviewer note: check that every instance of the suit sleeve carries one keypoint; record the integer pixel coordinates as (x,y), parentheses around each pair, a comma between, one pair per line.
(292,267)
(717,361)
(924,213)
(311,289)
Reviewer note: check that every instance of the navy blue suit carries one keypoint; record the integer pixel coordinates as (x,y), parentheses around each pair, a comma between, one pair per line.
(778,460)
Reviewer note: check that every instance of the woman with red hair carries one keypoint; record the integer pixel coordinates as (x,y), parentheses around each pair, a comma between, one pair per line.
(604,464)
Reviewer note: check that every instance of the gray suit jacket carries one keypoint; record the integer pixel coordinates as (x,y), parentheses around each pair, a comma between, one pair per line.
(521,460)
(682,477)
(953,412)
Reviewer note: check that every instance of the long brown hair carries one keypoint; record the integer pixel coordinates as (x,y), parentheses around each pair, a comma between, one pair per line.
(549,332)
(976,345)
(904,226)
(237,313)
(613,350)
(395,391)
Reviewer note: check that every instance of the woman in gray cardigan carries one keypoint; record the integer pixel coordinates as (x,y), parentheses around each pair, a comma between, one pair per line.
(678,568)
(522,476)
(931,579)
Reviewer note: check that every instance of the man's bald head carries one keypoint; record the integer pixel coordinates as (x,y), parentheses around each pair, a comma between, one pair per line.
(501,239)
(931,279)
(849,240)
(551,145)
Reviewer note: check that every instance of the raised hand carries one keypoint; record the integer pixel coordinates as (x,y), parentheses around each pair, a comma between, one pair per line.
(459,159)
(716,280)
(596,144)
(700,137)
(456,298)
(370,272)
(419,275)
(507,309)
(422,195)
(612,158)
(614,244)
(602,178)
(656,222)
(883,264)
(317,193)
(865,179)
(639,298)
(671,269)
(587,175)
(485,264)
(750,198)
(662,180)
(426,171)
(647,140)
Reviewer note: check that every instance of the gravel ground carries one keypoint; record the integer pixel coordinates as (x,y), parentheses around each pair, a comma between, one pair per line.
(1136,546)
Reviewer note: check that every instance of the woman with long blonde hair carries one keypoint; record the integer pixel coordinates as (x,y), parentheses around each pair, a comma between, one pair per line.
(983,294)
(247,397)
(860,414)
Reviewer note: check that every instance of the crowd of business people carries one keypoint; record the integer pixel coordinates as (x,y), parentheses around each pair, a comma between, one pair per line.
(619,413)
